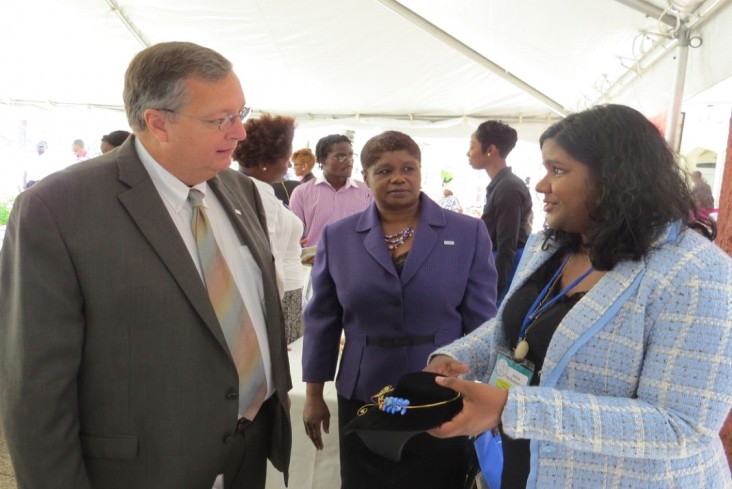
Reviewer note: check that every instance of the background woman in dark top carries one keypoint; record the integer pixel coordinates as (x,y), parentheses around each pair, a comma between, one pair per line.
(625,313)
(303,160)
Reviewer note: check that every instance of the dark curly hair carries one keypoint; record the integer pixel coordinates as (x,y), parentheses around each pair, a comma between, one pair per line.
(269,139)
(323,147)
(503,136)
(641,188)
(386,142)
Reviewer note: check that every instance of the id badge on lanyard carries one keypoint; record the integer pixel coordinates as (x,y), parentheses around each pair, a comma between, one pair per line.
(507,372)
(512,368)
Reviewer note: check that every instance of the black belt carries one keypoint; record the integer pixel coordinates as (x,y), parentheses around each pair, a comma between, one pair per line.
(396,341)
(242,425)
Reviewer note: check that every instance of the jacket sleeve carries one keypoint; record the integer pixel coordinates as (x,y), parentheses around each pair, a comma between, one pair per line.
(683,389)
(323,320)
(41,342)
(479,302)
(296,204)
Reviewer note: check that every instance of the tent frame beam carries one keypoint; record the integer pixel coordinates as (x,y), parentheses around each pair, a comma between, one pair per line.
(659,52)
(545,119)
(126,22)
(679,43)
(472,54)
(651,10)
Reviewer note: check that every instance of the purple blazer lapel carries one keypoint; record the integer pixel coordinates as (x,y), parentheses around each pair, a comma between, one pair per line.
(374,239)
(425,238)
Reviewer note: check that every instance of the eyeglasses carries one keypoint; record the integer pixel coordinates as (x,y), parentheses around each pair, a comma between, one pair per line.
(343,157)
(224,124)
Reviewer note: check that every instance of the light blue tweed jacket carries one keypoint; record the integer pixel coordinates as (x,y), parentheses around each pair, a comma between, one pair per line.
(641,402)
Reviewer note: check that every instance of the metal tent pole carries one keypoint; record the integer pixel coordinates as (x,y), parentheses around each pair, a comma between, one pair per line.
(673,136)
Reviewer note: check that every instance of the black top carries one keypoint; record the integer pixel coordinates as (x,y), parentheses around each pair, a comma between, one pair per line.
(307,177)
(399,262)
(516,455)
(507,214)
(283,190)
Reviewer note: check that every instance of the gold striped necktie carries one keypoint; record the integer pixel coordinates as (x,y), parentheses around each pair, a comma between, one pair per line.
(230,311)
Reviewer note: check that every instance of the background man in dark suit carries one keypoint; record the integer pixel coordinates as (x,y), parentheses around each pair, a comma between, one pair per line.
(114,368)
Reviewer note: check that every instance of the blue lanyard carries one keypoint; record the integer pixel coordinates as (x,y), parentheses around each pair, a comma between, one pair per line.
(533,313)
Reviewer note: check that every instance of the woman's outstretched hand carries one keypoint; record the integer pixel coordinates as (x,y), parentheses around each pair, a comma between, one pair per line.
(482,408)
(448,366)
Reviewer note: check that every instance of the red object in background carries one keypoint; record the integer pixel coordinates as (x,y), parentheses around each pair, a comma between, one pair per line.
(726,436)
(660,122)
(724,241)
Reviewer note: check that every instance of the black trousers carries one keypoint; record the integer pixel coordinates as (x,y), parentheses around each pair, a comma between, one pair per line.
(247,464)
(427,462)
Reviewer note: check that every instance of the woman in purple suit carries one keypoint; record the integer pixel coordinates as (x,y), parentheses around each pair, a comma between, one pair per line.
(400,279)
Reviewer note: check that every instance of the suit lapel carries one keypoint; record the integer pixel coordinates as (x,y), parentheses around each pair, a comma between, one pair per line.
(243,217)
(425,237)
(589,310)
(430,216)
(149,213)
(374,239)
(247,216)
(592,307)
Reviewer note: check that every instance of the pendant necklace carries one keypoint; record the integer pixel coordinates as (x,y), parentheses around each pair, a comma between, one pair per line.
(541,304)
(284,187)
(393,241)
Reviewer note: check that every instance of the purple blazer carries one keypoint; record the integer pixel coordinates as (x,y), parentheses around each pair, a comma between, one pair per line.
(391,322)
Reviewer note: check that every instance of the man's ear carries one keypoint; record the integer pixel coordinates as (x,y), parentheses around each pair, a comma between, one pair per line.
(157,123)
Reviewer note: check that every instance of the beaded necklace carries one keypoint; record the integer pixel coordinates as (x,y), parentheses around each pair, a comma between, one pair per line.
(393,241)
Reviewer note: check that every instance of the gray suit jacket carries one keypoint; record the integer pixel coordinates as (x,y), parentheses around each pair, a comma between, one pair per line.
(114,371)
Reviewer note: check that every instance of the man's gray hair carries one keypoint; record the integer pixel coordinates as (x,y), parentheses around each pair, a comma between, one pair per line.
(155,78)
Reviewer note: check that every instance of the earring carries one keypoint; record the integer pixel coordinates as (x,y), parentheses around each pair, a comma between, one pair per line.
(264,168)
(487,154)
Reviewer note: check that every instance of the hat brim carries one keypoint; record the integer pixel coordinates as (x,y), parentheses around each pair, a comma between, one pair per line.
(388,444)
(386,434)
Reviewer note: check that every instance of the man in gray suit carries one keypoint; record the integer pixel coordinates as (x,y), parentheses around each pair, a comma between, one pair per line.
(114,370)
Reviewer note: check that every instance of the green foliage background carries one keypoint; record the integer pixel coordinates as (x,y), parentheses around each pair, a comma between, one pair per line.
(4,212)
(446,177)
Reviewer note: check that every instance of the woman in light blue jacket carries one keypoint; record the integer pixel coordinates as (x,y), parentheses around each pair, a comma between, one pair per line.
(615,341)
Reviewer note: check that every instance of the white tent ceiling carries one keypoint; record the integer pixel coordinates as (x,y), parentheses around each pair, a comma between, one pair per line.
(432,62)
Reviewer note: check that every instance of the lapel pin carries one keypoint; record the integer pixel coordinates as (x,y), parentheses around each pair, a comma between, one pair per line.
(237,211)
(449,243)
